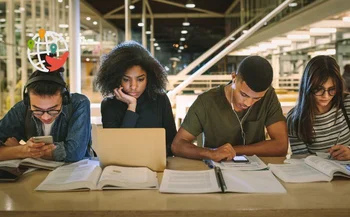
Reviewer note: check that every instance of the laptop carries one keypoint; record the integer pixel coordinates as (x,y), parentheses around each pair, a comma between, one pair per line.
(137,147)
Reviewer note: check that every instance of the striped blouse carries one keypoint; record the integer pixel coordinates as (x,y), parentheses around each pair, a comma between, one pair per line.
(328,127)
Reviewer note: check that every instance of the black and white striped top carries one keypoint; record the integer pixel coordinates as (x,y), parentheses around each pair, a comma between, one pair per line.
(327,127)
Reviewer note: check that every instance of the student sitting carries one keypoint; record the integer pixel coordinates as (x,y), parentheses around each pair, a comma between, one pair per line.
(137,81)
(319,121)
(47,109)
(233,117)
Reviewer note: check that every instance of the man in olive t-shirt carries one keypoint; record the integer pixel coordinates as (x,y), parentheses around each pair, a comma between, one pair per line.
(232,117)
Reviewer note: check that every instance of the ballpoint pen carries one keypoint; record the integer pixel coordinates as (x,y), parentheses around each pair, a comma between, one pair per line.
(336,142)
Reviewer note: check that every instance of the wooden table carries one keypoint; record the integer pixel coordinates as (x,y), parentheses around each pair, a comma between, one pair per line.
(309,199)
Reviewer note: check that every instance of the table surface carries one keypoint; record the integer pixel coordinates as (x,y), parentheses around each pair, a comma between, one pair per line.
(306,199)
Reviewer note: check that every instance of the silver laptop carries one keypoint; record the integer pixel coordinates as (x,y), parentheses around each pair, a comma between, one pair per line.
(144,147)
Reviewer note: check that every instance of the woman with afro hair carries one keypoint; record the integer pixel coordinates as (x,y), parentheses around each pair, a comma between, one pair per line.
(133,84)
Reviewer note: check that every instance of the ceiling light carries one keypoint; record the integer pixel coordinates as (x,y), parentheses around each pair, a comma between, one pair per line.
(87,59)
(293,4)
(95,23)
(63,26)
(190,4)
(131,7)
(152,39)
(184,31)
(346,19)
(2,20)
(140,24)
(88,18)
(60,1)
(148,32)
(67,6)
(186,23)
(157,48)
(155,44)
(179,51)
(232,38)
(298,37)
(267,46)
(182,39)
(281,42)
(181,47)
(323,30)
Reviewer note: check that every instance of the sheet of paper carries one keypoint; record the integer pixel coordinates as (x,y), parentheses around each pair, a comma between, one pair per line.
(252,182)
(297,173)
(175,181)
(254,164)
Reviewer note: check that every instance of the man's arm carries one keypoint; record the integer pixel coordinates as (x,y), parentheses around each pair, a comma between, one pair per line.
(74,147)
(277,146)
(182,146)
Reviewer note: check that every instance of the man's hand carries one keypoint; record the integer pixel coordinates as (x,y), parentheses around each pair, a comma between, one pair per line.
(340,152)
(224,152)
(37,150)
(12,141)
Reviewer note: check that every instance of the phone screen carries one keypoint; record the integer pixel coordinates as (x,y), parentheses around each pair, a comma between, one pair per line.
(45,139)
(240,159)
(6,176)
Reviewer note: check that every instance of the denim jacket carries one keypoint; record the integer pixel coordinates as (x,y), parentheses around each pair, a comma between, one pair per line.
(72,137)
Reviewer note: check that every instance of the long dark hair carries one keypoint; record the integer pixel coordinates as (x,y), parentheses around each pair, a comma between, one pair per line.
(123,57)
(318,70)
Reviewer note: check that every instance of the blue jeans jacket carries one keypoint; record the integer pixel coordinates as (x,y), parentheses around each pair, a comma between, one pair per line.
(72,137)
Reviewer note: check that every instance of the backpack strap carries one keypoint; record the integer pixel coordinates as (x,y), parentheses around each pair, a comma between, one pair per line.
(29,125)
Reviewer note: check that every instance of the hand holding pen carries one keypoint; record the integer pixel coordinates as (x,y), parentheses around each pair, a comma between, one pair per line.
(338,151)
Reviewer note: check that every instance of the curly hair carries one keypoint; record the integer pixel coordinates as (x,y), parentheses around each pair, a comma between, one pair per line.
(123,57)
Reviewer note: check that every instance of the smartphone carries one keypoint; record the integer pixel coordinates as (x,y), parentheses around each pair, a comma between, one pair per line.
(45,139)
(240,159)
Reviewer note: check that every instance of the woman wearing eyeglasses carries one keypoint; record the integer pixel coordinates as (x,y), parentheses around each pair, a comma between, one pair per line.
(318,123)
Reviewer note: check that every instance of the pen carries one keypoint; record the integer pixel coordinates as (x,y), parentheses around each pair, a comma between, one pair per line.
(336,142)
(347,166)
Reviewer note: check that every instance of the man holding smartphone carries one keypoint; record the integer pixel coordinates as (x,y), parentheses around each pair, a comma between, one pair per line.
(233,117)
(47,109)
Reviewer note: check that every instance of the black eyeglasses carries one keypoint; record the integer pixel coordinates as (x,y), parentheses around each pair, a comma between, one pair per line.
(320,91)
(52,113)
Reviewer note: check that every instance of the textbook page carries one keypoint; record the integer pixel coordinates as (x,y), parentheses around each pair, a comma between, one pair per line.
(41,163)
(115,177)
(252,182)
(298,173)
(10,163)
(32,162)
(175,181)
(255,163)
(72,177)
(327,167)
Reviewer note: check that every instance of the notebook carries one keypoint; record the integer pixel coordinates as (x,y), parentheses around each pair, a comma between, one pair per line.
(137,147)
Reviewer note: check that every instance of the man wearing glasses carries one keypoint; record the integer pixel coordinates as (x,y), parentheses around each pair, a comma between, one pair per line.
(233,117)
(47,109)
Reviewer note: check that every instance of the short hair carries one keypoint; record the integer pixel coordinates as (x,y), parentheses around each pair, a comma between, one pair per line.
(123,57)
(256,72)
(44,87)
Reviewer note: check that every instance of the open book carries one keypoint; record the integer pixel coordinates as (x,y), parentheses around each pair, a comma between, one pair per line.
(311,169)
(217,180)
(88,175)
(32,163)
(255,163)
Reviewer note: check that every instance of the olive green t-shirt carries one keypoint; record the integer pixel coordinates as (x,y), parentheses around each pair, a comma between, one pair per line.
(212,114)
